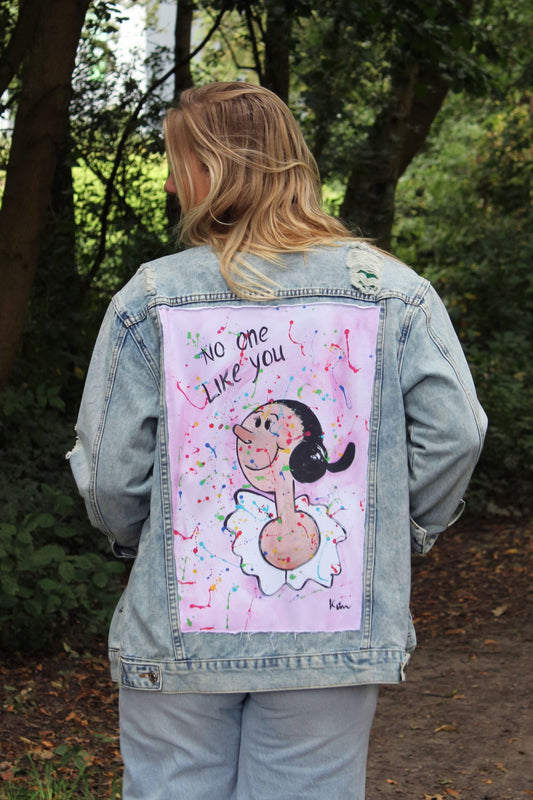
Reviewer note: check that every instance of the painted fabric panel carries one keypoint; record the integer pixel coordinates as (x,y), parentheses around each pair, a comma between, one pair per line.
(268,421)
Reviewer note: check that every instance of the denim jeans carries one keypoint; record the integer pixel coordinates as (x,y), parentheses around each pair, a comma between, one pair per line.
(310,743)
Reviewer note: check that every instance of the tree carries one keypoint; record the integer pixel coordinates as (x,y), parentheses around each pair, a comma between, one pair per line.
(366,81)
(42,49)
(428,46)
(368,120)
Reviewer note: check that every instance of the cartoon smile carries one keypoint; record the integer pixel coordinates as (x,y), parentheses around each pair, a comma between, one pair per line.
(258,441)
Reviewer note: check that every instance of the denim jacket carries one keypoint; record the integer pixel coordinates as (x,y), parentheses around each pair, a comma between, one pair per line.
(270,466)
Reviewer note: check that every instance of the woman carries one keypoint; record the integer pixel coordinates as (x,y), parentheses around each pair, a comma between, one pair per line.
(260,616)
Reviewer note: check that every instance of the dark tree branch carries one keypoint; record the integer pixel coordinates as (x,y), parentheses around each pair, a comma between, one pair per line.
(20,41)
(122,202)
(253,41)
(232,53)
(182,38)
(277,39)
(128,130)
(12,101)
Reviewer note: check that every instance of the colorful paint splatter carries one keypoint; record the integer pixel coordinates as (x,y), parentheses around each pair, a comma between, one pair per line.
(268,418)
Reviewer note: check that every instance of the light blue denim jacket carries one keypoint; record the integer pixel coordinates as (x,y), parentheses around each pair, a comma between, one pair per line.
(185,458)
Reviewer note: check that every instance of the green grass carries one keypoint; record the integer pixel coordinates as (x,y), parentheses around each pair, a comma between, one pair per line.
(70,778)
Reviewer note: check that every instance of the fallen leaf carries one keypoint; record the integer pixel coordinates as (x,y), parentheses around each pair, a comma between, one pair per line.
(394,783)
(68,649)
(499,610)
(446,728)
(7,774)
(42,755)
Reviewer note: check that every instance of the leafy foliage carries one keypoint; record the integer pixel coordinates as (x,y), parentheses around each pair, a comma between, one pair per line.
(119,209)
(53,567)
(464,218)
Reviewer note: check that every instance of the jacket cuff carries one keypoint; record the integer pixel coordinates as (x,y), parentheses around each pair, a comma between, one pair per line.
(122,552)
(423,539)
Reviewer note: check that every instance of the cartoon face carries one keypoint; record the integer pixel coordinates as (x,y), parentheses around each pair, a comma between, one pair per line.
(265,441)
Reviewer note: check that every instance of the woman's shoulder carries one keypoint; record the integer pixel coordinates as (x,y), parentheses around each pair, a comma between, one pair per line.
(168,276)
(181,266)
(381,274)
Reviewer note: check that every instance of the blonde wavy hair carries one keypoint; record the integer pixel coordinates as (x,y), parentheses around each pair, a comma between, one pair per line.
(264,186)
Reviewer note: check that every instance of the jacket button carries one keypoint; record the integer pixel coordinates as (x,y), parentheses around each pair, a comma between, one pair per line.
(153,677)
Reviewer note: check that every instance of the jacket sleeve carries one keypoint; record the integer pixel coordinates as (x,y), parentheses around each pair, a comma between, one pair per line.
(113,458)
(445,422)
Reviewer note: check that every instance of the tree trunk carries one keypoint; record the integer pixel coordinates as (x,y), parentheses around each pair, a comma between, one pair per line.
(40,125)
(182,78)
(20,40)
(182,39)
(277,47)
(397,135)
(57,279)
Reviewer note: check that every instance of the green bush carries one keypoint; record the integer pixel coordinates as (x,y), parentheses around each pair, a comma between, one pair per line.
(465,220)
(55,570)
(45,583)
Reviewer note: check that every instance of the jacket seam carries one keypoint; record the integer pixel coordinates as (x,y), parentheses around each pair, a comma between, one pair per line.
(100,434)
(367,578)
(445,353)
(194,661)
(298,293)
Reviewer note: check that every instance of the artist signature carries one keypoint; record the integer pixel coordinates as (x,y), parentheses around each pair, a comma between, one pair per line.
(337,605)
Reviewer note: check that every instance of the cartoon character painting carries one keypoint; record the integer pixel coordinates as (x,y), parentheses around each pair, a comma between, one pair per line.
(285,540)
(269,424)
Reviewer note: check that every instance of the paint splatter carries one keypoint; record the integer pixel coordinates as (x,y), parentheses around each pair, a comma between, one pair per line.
(346,335)
(300,344)
(200,408)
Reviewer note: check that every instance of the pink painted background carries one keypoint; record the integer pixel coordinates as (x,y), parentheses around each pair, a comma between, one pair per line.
(221,363)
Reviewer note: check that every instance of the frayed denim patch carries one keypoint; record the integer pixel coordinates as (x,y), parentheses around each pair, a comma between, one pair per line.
(366,267)
(149,280)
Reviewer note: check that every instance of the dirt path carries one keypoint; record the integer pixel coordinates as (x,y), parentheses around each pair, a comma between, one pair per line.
(460,727)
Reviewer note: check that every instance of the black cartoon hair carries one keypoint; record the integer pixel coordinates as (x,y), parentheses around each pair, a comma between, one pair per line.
(309,460)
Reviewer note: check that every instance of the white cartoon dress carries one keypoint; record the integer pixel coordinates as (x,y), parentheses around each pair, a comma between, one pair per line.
(253,512)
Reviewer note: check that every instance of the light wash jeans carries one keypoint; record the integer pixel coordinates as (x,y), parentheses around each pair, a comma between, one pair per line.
(300,744)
